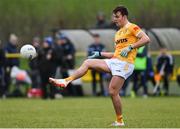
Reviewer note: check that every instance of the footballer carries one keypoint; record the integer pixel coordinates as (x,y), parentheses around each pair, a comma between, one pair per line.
(119,63)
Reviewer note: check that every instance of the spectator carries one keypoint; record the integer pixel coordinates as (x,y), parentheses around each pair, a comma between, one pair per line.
(178,76)
(96,46)
(69,52)
(10,48)
(165,60)
(2,72)
(101,22)
(59,60)
(59,53)
(68,60)
(47,67)
(139,74)
(150,71)
(34,65)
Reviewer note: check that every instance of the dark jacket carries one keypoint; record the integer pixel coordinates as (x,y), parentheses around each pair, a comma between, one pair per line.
(59,54)
(68,49)
(168,61)
(47,67)
(34,63)
(2,61)
(10,48)
(95,47)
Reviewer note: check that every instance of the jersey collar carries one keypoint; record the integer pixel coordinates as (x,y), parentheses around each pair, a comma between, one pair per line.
(127,25)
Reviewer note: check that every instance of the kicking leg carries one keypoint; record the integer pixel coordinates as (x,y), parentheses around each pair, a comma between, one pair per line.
(97,64)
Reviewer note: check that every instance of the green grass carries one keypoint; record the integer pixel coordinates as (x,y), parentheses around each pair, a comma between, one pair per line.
(89,112)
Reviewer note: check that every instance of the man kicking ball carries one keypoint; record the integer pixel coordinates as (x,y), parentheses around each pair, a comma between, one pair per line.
(120,63)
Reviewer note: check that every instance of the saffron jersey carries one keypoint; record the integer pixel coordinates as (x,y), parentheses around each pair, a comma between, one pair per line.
(124,37)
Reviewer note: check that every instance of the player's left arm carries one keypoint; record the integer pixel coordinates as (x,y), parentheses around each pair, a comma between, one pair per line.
(143,40)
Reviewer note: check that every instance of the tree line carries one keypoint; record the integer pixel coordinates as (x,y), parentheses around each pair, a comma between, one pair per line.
(28,18)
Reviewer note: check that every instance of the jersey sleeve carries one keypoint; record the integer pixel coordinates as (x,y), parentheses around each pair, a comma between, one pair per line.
(135,29)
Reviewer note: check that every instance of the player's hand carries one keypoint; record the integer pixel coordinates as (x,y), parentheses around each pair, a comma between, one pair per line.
(94,55)
(125,51)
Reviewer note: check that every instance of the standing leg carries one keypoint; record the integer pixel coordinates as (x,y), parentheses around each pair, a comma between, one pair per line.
(114,88)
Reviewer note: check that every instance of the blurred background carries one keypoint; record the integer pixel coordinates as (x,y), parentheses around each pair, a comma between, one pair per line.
(64,33)
(39,17)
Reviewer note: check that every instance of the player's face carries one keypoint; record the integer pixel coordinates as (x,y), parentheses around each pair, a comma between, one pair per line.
(118,18)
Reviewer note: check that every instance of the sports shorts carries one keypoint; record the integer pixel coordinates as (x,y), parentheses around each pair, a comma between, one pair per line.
(120,68)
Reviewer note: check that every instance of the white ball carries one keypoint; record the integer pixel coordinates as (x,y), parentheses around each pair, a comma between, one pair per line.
(28,51)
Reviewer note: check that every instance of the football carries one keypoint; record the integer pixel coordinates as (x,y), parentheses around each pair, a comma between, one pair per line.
(28,51)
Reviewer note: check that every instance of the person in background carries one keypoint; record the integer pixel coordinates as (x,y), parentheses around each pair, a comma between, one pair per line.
(139,74)
(69,51)
(165,60)
(57,47)
(96,46)
(59,53)
(47,67)
(10,48)
(178,76)
(101,22)
(34,65)
(2,72)
(68,59)
(150,70)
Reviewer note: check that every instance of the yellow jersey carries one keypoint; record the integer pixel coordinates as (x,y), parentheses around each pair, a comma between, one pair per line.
(124,37)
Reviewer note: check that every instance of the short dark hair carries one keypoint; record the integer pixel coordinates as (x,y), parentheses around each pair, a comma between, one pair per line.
(122,9)
(96,35)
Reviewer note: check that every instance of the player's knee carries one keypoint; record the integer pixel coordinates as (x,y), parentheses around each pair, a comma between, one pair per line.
(112,92)
(87,62)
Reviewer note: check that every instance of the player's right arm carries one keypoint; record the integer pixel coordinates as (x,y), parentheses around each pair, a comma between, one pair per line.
(97,54)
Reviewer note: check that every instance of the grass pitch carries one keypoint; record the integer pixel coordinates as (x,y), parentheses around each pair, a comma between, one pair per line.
(89,112)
